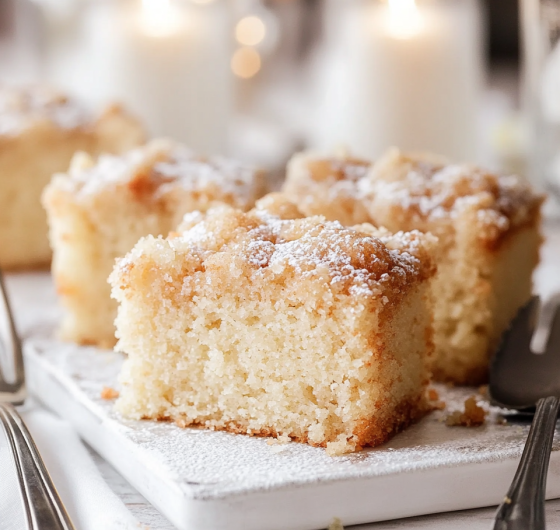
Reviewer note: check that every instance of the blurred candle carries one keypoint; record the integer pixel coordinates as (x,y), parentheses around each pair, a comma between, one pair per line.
(398,73)
(167,60)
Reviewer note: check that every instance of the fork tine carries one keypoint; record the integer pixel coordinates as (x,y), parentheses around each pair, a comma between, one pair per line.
(553,343)
(14,392)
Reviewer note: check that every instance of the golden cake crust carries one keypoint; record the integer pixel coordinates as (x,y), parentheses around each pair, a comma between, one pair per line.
(370,432)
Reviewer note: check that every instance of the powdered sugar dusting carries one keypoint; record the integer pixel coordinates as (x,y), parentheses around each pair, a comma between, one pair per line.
(22,107)
(354,261)
(425,187)
(163,166)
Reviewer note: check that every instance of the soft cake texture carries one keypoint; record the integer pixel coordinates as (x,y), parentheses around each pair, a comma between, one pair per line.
(267,324)
(100,209)
(40,130)
(488,231)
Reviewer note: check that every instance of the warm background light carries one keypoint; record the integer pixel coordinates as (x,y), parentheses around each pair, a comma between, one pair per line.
(405,20)
(159,18)
(246,62)
(250,31)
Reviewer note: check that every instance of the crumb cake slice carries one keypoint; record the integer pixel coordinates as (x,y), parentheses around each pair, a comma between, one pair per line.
(100,209)
(488,230)
(269,324)
(40,130)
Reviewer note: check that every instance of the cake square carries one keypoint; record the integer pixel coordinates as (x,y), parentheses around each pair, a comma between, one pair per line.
(40,130)
(100,209)
(270,324)
(487,225)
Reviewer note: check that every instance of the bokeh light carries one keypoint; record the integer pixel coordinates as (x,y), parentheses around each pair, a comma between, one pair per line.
(246,62)
(250,31)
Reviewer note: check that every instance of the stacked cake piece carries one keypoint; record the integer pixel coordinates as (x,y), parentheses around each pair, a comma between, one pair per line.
(101,208)
(488,230)
(40,130)
(270,324)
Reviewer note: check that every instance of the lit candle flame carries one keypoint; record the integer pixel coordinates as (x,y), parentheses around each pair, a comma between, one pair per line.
(159,18)
(405,20)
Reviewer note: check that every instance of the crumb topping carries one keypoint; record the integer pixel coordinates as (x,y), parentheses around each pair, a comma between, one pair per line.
(152,171)
(21,107)
(428,188)
(349,168)
(352,261)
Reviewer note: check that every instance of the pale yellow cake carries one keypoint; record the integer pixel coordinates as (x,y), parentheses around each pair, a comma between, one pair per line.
(271,325)
(100,209)
(40,130)
(488,230)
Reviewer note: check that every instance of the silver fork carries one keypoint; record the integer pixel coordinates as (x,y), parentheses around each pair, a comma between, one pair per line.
(43,508)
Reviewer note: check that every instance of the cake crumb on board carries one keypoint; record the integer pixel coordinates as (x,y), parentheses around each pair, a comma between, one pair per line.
(279,440)
(433,394)
(109,393)
(435,402)
(336,524)
(473,415)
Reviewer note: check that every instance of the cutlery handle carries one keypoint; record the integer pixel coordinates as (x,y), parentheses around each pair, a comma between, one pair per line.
(43,508)
(12,392)
(523,506)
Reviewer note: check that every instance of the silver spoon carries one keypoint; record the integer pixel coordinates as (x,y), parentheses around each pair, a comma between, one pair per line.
(530,383)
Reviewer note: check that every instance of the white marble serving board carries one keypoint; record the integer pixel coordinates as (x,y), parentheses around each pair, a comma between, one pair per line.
(214,480)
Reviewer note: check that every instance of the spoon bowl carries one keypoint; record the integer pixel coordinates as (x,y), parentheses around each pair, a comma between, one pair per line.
(524,380)
(520,377)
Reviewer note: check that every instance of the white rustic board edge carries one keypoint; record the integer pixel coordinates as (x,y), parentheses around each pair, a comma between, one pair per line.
(371,486)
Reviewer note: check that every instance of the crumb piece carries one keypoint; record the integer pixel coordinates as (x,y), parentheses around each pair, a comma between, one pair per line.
(500,420)
(473,416)
(279,440)
(336,524)
(342,446)
(279,443)
(432,394)
(182,423)
(109,393)
(433,397)
(483,390)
